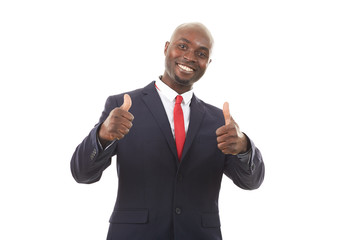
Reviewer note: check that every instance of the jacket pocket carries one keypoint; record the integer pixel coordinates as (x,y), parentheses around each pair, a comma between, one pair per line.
(130,216)
(210,220)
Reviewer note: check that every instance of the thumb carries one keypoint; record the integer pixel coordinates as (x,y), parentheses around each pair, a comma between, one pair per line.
(127,103)
(226,112)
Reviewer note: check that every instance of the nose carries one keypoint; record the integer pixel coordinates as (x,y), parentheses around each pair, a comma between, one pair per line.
(190,56)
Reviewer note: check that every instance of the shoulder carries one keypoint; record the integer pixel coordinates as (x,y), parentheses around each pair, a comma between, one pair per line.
(211,110)
(207,106)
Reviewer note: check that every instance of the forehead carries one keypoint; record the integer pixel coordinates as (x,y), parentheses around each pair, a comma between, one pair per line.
(193,35)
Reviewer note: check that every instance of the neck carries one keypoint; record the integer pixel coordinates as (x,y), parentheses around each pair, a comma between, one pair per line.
(177,87)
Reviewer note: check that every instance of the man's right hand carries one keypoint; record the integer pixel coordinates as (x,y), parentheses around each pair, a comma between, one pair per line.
(118,123)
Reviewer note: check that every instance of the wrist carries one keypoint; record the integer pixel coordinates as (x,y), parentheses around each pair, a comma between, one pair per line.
(103,141)
(244,144)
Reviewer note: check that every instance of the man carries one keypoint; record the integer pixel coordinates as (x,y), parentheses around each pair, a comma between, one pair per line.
(171,150)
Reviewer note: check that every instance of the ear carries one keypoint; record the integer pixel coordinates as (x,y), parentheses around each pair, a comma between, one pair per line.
(166,47)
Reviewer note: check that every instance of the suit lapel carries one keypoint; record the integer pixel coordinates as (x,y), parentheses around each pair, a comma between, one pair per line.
(153,102)
(196,117)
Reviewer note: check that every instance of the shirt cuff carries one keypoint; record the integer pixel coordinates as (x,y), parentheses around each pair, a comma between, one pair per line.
(107,146)
(99,143)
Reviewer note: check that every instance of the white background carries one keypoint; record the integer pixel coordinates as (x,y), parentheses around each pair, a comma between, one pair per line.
(289,70)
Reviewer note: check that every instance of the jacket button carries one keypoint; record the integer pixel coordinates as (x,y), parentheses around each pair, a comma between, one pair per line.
(178,211)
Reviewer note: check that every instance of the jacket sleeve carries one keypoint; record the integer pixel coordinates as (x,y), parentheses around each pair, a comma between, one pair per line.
(246,170)
(89,159)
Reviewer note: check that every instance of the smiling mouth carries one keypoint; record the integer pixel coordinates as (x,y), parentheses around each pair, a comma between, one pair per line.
(185,68)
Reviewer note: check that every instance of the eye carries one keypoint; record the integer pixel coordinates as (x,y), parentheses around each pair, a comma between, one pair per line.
(182,46)
(202,54)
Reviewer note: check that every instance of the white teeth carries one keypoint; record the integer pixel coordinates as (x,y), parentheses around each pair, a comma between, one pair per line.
(185,68)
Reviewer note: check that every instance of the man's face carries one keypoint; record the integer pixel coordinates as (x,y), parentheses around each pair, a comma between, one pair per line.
(187,55)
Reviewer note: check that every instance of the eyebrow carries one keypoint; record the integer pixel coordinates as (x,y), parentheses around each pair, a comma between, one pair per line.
(187,41)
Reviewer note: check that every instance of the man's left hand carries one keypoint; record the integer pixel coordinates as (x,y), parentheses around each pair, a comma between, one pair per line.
(229,137)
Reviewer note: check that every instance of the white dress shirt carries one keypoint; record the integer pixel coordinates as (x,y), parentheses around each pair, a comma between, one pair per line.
(167,96)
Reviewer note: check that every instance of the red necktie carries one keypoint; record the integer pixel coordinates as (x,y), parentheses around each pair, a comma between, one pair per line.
(179,126)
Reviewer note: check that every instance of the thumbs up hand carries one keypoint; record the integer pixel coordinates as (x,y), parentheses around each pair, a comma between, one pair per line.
(118,123)
(229,137)
(127,103)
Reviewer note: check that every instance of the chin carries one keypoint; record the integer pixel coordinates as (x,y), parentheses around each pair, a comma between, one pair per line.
(184,82)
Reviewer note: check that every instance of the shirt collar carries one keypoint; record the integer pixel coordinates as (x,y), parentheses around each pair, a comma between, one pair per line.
(170,94)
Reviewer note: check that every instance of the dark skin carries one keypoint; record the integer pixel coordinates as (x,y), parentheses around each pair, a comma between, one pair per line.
(229,137)
(187,56)
(117,124)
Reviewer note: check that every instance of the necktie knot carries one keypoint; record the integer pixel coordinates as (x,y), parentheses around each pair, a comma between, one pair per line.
(178,99)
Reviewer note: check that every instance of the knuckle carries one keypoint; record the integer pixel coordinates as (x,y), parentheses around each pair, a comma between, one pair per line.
(123,130)
(120,135)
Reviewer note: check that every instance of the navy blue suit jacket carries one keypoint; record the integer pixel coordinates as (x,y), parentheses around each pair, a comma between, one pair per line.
(160,197)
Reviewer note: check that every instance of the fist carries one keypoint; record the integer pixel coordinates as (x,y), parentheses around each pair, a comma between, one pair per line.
(229,137)
(118,123)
